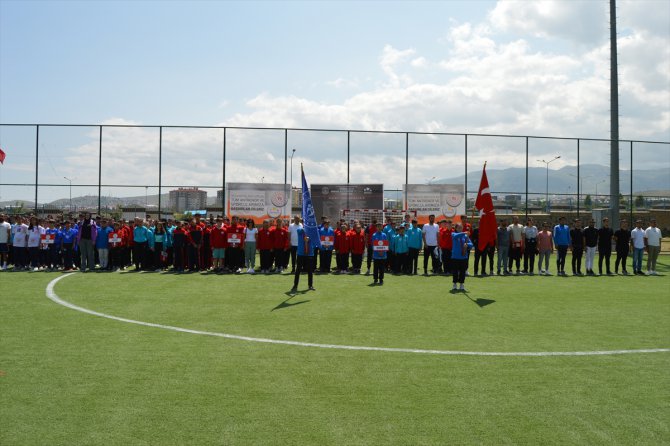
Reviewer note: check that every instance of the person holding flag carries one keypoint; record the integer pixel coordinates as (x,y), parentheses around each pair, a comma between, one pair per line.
(461,246)
(308,239)
(488,226)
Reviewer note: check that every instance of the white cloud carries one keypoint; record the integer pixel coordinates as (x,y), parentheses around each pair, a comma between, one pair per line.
(343,83)
(585,22)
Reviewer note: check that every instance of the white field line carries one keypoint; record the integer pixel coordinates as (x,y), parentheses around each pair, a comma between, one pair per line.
(51,294)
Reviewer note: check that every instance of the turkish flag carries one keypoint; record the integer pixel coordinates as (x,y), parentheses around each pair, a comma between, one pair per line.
(488,226)
(2,157)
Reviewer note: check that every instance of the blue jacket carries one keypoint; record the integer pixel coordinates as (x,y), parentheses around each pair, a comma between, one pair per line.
(376,237)
(69,235)
(301,245)
(415,237)
(330,233)
(102,239)
(460,240)
(400,244)
(140,234)
(561,235)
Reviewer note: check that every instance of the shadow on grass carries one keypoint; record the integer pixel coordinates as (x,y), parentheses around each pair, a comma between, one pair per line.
(287,304)
(479,301)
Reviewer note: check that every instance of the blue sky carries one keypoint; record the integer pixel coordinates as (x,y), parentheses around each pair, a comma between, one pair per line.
(503,67)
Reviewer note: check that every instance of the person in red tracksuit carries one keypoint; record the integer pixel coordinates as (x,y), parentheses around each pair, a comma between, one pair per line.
(264,246)
(218,244)
(117,241)
(281,245)
(234,252)
(125,253)
(342,248)
(357,243)
(446,244)
(194,246)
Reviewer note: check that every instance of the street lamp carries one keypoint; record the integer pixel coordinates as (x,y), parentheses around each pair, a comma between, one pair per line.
(429,182)
(546,197)
(70,193)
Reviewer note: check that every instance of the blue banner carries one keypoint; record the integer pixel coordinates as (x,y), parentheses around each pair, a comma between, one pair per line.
(308,216)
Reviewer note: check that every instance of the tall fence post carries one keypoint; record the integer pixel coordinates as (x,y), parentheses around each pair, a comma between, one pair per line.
(526,178)
(160,168)
(405,204)
(100,171)
(223,183)
(466,173)
(578,179)
(631,185)
(37,165)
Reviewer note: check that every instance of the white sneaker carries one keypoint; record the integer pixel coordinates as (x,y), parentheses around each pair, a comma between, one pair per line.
(462,287)
(654,273)
(251,271)
(454,287)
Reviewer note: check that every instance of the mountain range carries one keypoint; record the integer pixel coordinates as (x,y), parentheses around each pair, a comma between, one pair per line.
(650,182)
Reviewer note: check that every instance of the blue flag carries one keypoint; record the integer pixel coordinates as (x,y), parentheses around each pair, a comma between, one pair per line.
(308,217)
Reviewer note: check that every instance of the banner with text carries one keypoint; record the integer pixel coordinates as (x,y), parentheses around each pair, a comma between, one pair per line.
(330,199)
(258,201)
(442,200)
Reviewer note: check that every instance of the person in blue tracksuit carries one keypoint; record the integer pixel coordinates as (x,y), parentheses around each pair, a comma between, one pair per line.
(400,250)
(327,243)
(305,257)
(562,242)
(459,255)
(380,247)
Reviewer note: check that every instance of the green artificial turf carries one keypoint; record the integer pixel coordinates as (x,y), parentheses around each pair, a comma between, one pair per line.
(71,378)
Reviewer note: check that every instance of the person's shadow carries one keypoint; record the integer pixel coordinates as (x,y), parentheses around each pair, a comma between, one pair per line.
(287,304)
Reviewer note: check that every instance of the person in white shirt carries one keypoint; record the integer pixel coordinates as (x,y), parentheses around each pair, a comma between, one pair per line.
(637,243)
(250,233)
(430,232)
(652,241)
(5,235)
(517,239)
(293,232)
(20,243)
(529,247)
(35,232)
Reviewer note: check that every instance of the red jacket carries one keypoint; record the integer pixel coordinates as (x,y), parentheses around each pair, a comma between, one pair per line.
(445,241)
(264,239)
(123,239)
(357,242)
(217,238)
(280,238)
(235,232)
(368,236)
(341,242)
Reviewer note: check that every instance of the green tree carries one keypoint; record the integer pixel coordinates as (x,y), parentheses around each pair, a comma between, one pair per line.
(588,202)
(639,201)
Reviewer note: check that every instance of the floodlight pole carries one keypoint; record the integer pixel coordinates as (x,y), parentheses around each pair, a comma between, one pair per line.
(546,193)
(70,193)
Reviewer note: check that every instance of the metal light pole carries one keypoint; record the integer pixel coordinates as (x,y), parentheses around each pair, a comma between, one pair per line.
(546,196)
(70,193)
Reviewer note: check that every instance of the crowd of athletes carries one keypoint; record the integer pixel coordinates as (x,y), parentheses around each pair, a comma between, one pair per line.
(223,245)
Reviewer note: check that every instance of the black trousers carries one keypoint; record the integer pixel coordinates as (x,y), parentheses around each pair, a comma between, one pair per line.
(515,257)
(325,259)
(356,261)
(305,263)
(529,256)
(342,261)
(266,259)
(604,255)
(139,255)
(560,260)
(401,264)
(621,256)
(414,260)
(458,267)
(370,254)
(577,252)
(380,268)
(294,252)
(428,252)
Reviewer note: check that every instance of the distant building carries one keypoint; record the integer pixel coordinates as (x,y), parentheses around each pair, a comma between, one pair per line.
(187,198)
